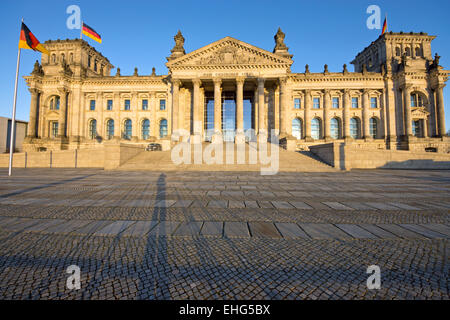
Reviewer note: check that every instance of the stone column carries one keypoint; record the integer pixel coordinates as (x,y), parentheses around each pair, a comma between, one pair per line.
(134,118)
(326,116)
(99,109)
(33,113)
(381,101)
(440,109)
(62,113)
(283,106)
(366,106)
(240,110)
(308,115)
(407,109)
(217,106)
(116,108)
(346,102)
(175,103)
(197,122)
(261,106)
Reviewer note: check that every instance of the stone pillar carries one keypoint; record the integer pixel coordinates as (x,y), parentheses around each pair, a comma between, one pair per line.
(240,138)
(407,109)
(135,126)
(62,113)
(116,108)
(99,109)
(366,106)
(307,117)
(381,101)
(283,106)
(217,106)
(175,103)
(261,106)
(326,116)
(31,132)
(197,121)
(346,102)
(440,109)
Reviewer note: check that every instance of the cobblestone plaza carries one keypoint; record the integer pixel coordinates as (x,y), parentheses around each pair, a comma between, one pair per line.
(224,235)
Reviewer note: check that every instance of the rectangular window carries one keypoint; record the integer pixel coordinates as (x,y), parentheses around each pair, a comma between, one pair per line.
(413,101)
(92,105)
(127,104)
(335,102)
(316,103)
(89,61)
(54,129)
(109,105)
(355,103)
(144,104)
(373,102)
(297,103)
(162,104)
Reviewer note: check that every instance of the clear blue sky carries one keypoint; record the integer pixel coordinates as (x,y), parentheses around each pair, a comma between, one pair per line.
(140,33)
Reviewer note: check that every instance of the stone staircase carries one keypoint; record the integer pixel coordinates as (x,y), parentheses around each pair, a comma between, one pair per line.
(289,161)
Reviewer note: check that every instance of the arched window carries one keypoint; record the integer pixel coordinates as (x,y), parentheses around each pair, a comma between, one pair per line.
(416,100)
(355,129)
(93,129)
(316,128)
(163,128)
(110,129)
(127,129)
(145,129)
(63,57)
(397,51)
(54,103)
(53,58)
(373,124)
(297,128)
(335,128)
(408,51)
(418,52)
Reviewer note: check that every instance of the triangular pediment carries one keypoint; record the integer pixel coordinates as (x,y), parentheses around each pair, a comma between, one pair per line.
(419,112)
(227,52)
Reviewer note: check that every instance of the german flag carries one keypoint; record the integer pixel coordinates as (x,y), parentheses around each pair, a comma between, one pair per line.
(383,31)
(28,40)
(88,31)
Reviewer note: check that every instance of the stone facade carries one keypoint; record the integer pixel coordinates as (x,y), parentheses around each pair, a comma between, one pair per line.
(393,100)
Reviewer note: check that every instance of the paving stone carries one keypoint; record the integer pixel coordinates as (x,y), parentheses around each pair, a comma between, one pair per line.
(236,204)
(44,224)
(140,228)
(400,232)
(212,228)
(381,206)
(251,204)
(182,204)
(404,206)
(356,232)
(189,228)
(282,205)
(68,226)
(265,204)
(423,231)
(21,224)
(218,204)
(337,206)
(300,205)
(114,228)
(263,229)
(440,228)
(164,228)
(379,232)
(358,206)
(323,231)
(164,203)
(291,230)
(236,230)
(93,227)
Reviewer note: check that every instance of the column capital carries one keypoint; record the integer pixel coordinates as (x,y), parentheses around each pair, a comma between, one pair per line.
(197,82)
(283,81)
(62,90)
(34,90)
(240,80)
(439,86)
(407,87)
(176,82)
(217,81)
(307,91)
(261,81)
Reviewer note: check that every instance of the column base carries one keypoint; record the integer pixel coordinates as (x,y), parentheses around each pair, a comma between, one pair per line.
(239,138)
(309,139)
(217,138)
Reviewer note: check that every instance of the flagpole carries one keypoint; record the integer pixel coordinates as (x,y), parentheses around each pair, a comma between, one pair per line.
(81,30)
(13,121)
